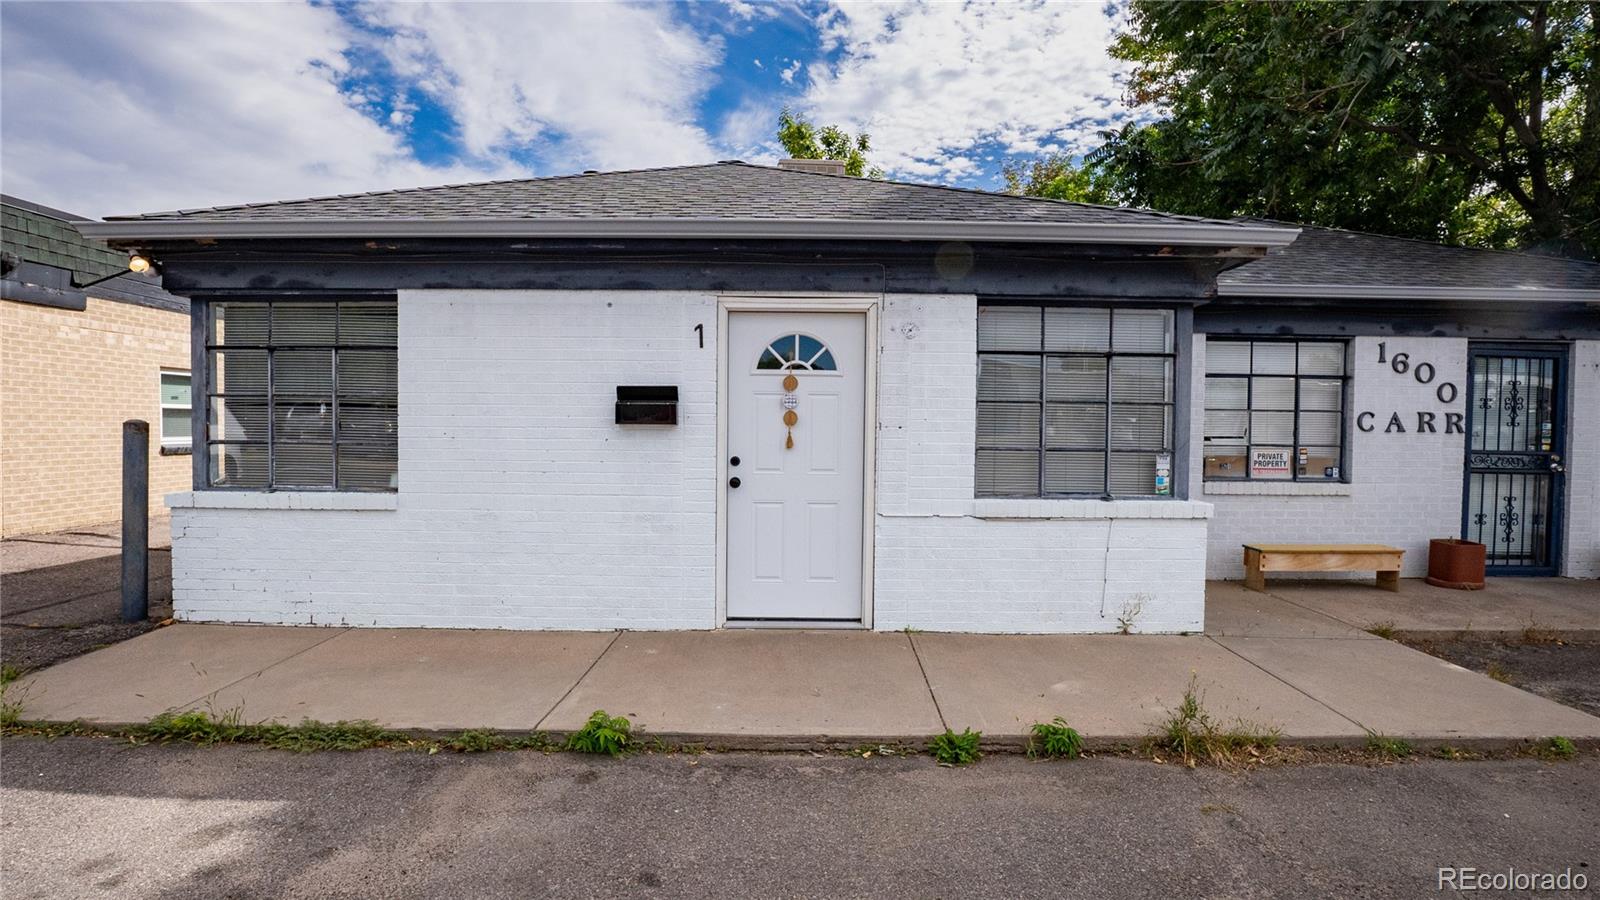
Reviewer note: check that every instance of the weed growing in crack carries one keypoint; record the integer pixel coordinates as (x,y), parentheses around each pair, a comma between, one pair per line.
(1194,736)
(610,735)
(1388,747)
(1055,740)
(1557,748)
(952,749)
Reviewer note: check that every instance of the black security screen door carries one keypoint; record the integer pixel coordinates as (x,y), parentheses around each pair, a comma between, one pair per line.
(1514,463)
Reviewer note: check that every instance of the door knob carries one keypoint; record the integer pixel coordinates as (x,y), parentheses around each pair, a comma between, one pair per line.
(733,482)
(733,460)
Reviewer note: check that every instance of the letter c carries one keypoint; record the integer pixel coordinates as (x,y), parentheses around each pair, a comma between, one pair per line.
(1364,421)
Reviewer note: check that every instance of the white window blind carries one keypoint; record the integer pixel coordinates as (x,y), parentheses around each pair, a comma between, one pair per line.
(303,395)
(1072,400)
(1275,410)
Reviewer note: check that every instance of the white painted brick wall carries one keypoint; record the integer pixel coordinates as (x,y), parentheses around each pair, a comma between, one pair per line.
(1406,488)
(521,505)
(945,562)
(1582,540)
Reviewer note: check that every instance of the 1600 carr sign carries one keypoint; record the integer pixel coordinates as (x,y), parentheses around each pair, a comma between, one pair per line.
(1426,421)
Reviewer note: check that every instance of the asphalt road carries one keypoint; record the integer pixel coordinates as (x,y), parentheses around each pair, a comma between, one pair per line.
(86,817)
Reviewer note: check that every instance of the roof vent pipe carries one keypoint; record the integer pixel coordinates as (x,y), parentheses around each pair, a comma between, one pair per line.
(814,166)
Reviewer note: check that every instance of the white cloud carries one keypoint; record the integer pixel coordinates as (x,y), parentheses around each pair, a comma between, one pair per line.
(931,81)
(111,108)
(790,71)
(596,85)
(117,109)
(747,131)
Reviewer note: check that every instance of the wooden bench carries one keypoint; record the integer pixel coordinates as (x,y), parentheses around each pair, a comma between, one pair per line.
(1259,559)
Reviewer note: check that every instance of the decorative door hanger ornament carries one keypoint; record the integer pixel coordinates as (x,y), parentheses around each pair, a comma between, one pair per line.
(790,401)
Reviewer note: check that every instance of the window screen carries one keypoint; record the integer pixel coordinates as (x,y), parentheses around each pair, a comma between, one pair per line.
(1275,410)
(1072,400)
(303,395)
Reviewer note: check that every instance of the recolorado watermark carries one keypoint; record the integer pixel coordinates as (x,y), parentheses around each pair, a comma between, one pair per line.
(1468,878)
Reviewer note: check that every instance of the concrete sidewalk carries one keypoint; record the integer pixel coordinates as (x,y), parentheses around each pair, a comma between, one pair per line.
(1271,663)
(1505,608)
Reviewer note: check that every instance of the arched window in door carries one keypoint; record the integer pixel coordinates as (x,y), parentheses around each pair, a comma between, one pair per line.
(796,351)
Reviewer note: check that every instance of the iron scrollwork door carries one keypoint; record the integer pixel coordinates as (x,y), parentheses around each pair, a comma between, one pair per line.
(1514,463)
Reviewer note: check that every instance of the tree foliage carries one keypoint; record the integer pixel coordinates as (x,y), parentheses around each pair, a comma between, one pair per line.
(803,140)
(1468,122)
(1058,177)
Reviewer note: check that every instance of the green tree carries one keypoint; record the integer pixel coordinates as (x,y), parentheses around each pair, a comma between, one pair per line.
(1470,122)
(803,140)
(1058,177)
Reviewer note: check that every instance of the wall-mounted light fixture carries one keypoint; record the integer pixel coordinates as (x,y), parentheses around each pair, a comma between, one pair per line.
(138,264)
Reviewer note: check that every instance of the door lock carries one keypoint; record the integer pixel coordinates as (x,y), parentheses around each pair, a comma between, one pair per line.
(733,482)
(1555,463)
(733,460)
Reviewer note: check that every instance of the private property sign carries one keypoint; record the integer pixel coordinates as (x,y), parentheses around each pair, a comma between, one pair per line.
(1269,462)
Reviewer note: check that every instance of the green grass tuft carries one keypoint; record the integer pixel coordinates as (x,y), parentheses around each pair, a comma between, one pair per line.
(605,734)
(200,727)
(1557,748)
(477,740)
(952,749)
(1385,630)
(1193,736)
(1388,747)
(1055,740)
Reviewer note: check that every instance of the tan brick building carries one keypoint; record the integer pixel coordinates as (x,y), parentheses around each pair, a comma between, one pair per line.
(74,364)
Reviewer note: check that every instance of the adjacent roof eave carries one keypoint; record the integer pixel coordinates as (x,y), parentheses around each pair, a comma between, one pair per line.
(1406,292)
(1169,234)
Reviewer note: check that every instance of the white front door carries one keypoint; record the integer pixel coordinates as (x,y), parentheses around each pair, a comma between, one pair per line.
(795,492)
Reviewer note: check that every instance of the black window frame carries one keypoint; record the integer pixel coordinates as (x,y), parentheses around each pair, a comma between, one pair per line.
(1174,384)
(206,357)
(1249,408)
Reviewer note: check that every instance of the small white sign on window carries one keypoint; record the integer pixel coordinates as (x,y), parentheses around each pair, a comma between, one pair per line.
(1268,462)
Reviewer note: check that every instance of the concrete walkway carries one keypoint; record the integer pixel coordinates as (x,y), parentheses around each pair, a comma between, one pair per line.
(1268,661)
(1505,608)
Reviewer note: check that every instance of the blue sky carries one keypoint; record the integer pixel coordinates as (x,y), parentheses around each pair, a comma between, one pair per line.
(105,111)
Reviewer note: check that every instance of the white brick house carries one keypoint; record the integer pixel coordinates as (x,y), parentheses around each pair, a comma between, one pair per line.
(895,406)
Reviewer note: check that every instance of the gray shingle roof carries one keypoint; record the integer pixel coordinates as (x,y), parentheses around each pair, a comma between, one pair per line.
(38,234)
(1357,261)
(49,237)
(728,190)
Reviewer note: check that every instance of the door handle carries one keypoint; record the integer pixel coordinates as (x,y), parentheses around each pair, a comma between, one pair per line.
(1555,463)
(733,482)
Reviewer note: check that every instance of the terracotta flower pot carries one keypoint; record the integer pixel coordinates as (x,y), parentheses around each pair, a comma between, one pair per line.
(1455,564)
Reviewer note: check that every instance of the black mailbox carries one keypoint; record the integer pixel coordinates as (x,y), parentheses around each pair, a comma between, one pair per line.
(653,405)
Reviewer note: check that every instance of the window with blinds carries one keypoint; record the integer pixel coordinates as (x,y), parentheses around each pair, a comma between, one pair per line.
(302,395)
(1275,410)
(176,409)
(1072,400)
